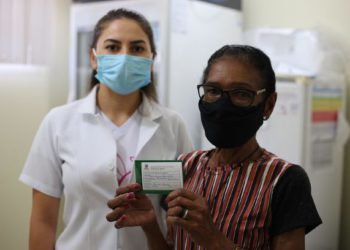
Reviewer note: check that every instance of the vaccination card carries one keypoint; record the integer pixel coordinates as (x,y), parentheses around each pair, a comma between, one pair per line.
(158,177)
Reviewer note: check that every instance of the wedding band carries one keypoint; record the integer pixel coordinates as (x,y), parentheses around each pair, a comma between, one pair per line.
(184,213)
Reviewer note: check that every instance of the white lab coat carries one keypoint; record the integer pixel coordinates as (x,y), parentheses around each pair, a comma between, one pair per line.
(74,154)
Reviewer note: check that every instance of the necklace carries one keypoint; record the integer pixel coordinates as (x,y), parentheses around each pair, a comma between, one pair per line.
(222,181)
(256,149)
(240,162)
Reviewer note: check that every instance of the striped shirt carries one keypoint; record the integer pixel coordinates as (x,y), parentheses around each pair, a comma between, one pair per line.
(239,197)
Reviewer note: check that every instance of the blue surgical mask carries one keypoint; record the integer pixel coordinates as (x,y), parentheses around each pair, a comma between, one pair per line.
(123,74)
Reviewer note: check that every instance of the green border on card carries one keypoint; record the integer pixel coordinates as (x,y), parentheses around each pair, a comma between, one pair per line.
(138,175)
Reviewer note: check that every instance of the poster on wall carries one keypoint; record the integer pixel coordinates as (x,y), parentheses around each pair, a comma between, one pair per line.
(326,105)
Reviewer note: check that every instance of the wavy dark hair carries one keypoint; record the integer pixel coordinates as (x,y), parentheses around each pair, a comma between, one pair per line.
(250,56)
(112,15)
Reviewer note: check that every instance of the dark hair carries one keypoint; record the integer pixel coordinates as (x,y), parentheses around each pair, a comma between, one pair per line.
(250,56)
(121,13)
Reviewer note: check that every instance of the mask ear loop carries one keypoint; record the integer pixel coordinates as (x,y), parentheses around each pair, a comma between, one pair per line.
(95,54)
(94,51)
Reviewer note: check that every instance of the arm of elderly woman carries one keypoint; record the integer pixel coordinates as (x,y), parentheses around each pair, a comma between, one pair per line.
(293,209)
(292,240)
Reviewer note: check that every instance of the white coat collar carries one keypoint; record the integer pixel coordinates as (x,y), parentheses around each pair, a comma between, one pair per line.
(150,110)
(88,104)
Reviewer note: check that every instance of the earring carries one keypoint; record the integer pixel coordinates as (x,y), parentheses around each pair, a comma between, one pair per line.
(265,117)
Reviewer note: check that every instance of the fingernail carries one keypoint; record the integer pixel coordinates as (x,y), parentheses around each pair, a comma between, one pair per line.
(137,187)
(130,196)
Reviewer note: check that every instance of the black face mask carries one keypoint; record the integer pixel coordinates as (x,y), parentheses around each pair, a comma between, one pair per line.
(229,126)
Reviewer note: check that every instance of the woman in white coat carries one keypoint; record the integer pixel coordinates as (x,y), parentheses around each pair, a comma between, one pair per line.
(84,151)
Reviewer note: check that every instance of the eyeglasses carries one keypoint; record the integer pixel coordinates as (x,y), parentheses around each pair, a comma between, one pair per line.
(238,96)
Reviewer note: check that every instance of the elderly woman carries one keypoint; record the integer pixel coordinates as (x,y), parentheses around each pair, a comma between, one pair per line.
(238,195)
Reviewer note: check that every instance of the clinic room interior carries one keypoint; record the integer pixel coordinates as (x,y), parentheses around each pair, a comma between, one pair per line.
(44,63)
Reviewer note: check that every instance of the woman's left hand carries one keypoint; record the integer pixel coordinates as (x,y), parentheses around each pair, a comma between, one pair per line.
(197,220)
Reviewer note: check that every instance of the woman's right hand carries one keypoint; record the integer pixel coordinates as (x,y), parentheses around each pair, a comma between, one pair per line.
(131,208)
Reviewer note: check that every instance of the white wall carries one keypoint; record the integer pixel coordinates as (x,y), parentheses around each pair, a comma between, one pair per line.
(332,16)
(26,94)
(23,102)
